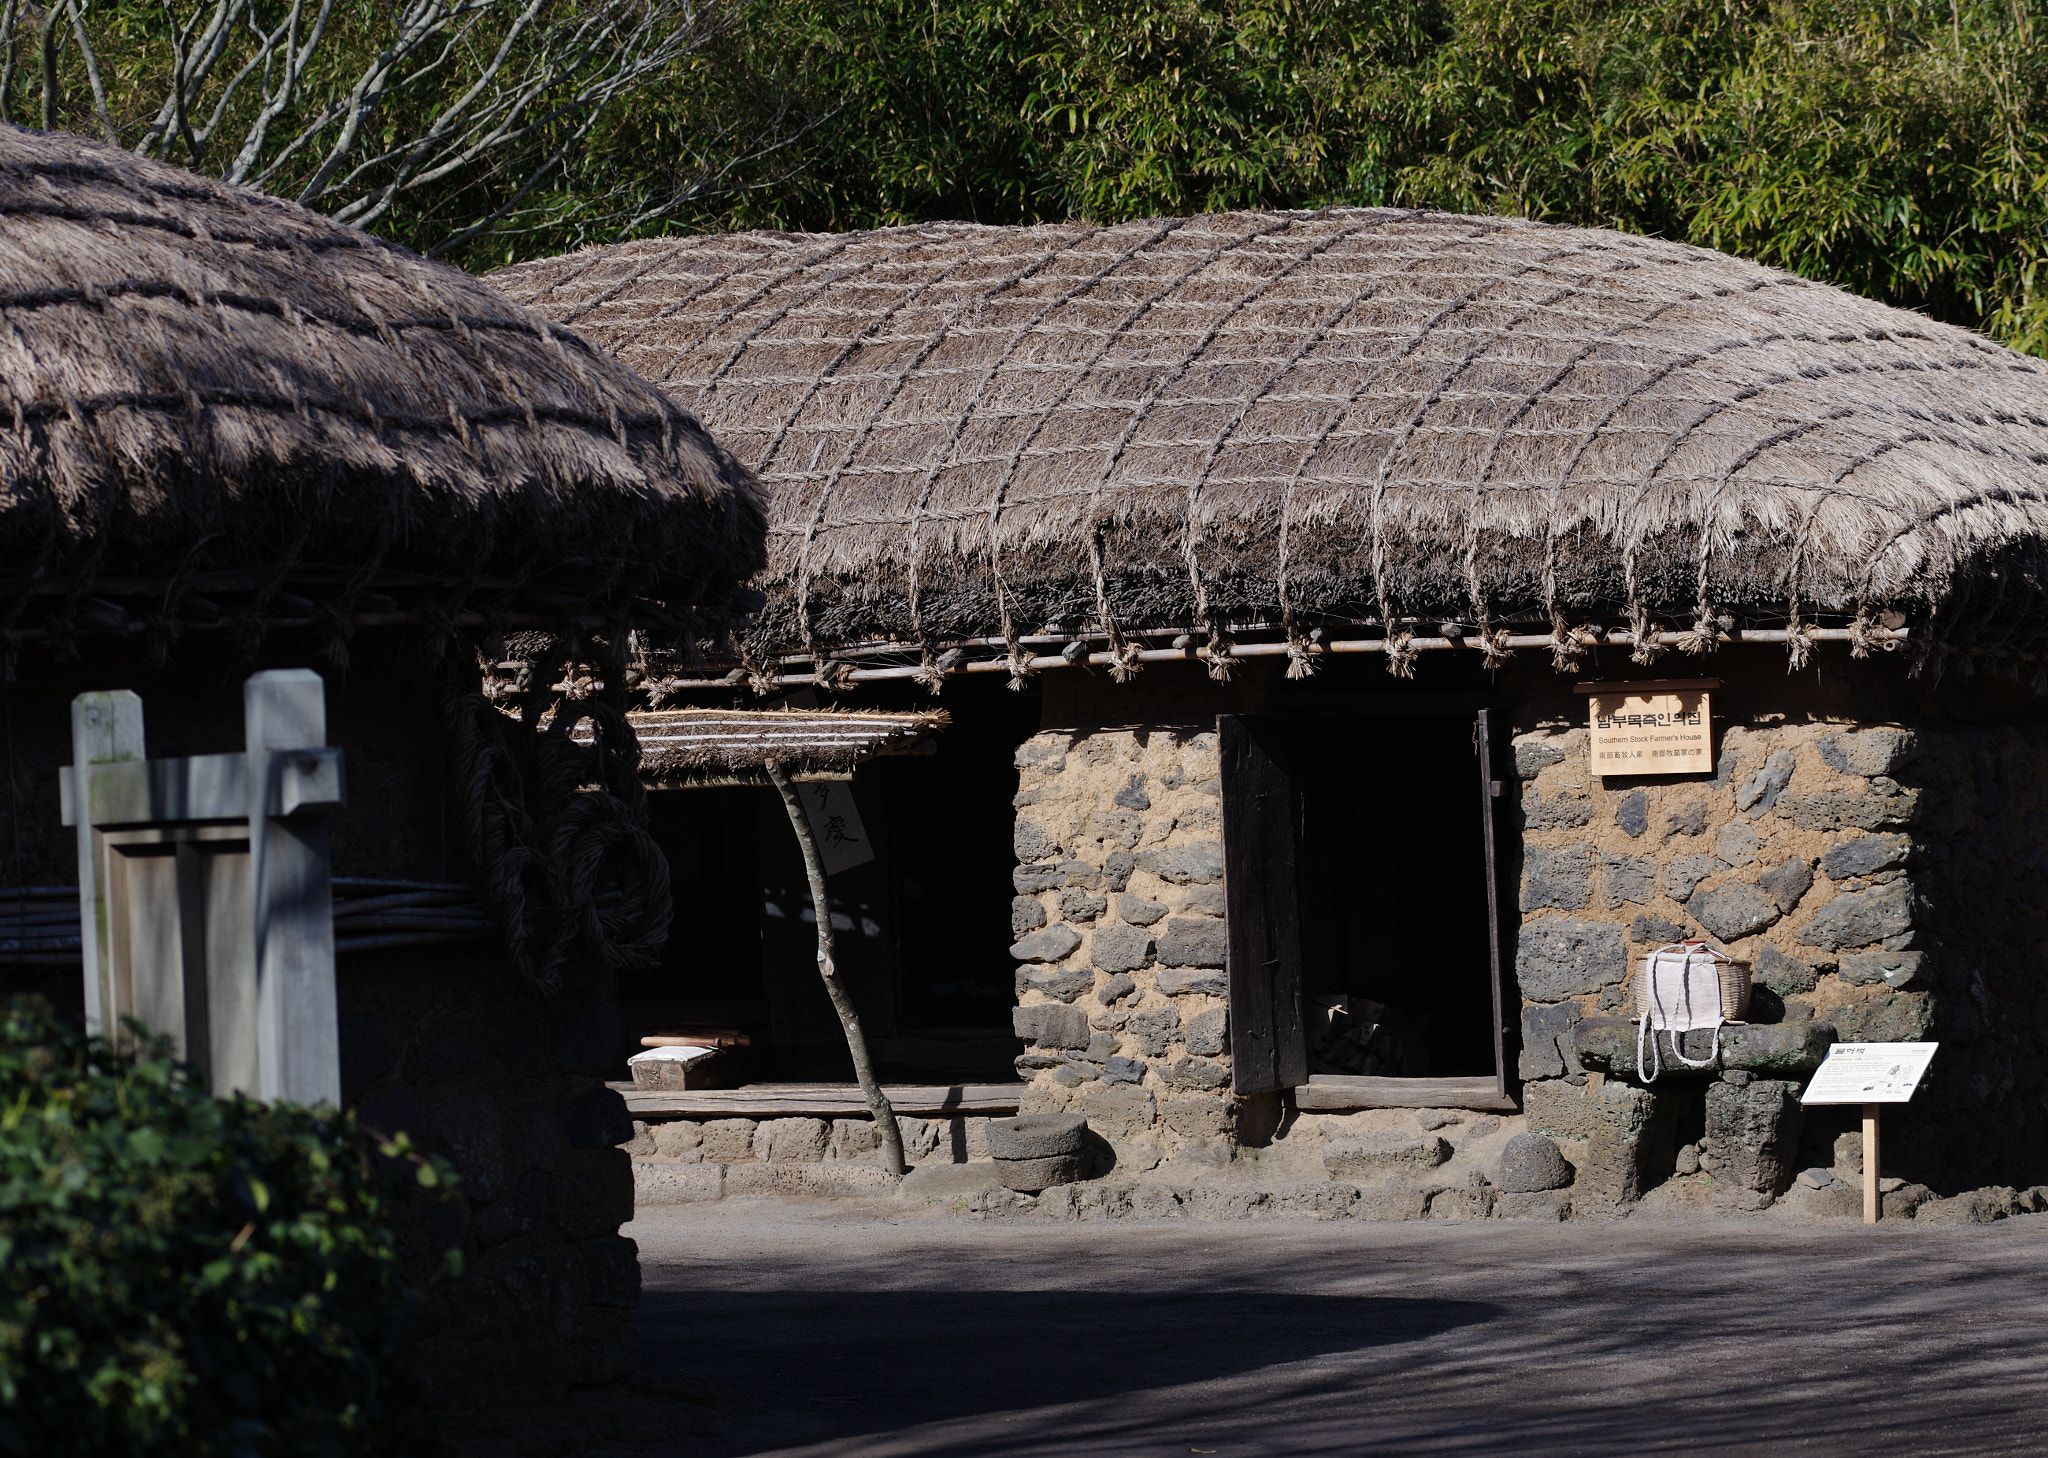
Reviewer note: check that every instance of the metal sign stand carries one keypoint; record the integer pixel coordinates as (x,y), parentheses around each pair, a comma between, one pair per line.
(205,902)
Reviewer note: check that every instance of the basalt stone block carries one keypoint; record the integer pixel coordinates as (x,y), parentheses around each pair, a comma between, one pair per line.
(1047,756)
(1132,796)
(1761,790)
(1684,873)
(1061,983)
(1547,1050)
(1207,1032)
(1543,1205)
(1754,1129)
(1030,880)
(1690,821)
(1120,986)
(1027,914)
(1120,948)
(1119,1113)
(1733,911)
(1786,884)
(1100,1046)
(1838,811)
(1203,901)
(1561,879)
(791,1141)
(1627,878)
(1531,1163)
(1655,931)
(1566,812)
(1116,869)
(1625,1132)
(1865,856)
(1051,1025)
(1870,752)
(1138,911)
(1123,1070)
(1177,981)
(1153,1029)
(1385,1156)
(1898,1017)
(1078,905)
(1859,918)
(1036,1136)
(1051,945)
(1198,1073)
(1633,814)
(1894,969)
(1185,866)
(727,1141)
(1782,974)
(596,1119)
(1783,1049)
(1534,754)
(1116,827)
(1737,844)
(1563,956)
(1033,842)
(1976,1207)
(1190,943)
(1080,875)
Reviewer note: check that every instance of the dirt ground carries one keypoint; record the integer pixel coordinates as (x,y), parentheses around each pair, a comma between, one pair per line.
(855,1330)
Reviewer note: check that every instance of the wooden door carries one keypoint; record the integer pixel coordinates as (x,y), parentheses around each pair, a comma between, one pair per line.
(1261,838)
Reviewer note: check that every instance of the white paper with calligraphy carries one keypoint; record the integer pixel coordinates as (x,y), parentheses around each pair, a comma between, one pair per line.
(1651,729)
(1870,1073)
(835,822)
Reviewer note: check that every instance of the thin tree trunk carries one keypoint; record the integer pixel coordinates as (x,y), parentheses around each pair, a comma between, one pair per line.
(842,1001)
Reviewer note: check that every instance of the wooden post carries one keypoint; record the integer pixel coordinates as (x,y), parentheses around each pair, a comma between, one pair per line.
(106,728)
(1870,1200)
(842,1001)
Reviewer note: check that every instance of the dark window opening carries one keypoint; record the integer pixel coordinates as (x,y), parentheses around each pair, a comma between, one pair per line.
(921,929)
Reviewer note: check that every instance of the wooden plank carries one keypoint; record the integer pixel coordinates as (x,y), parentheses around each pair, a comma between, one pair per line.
(1261,834)
(1493,786)
(1334,1091)
(771,1101)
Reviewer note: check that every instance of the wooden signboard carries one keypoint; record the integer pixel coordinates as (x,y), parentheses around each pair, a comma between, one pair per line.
(1652,728)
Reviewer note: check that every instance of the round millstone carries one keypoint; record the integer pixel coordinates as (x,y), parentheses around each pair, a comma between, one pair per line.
(1028,1176)
(1036,1136)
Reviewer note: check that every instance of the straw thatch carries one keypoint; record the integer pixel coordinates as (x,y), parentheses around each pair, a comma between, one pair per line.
(1349,415)
(209,392)
(685,744)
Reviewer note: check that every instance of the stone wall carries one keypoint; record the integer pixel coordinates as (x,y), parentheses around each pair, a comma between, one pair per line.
(1121,935)
(677,1161)
(1884,881)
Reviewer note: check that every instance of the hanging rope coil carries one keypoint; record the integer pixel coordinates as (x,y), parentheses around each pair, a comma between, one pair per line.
(558,830)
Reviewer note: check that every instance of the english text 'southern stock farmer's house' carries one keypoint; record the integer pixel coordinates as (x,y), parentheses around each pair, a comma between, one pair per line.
(1272,568)
(237,436)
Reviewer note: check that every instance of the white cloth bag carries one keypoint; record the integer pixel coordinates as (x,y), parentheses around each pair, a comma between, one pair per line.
(1680,992)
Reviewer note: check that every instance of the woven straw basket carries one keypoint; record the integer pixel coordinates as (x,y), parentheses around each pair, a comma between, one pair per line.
(1735,982)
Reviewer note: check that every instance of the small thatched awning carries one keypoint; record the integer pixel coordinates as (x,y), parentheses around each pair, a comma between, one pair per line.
(1350,416)
(213,402)
(679,745)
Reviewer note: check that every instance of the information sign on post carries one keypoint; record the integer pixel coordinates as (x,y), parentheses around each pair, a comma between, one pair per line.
(1870,1074)
(1652,728)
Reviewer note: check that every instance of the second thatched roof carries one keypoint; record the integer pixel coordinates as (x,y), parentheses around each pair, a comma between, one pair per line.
(213,401)
(1341,416)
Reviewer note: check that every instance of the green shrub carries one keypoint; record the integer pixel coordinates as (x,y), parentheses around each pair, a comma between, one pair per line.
(181,1274)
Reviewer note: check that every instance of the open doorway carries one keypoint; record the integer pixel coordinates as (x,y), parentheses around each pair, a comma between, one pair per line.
(1397,977)
(1360,871)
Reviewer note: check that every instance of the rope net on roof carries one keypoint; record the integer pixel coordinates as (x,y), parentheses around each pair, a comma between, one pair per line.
(1342,416)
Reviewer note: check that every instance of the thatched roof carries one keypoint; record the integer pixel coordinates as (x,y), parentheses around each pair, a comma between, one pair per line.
(678,745)
(1342,416)
(213,402)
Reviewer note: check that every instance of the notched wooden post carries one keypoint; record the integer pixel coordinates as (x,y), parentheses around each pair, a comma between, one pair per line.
(842,1001)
